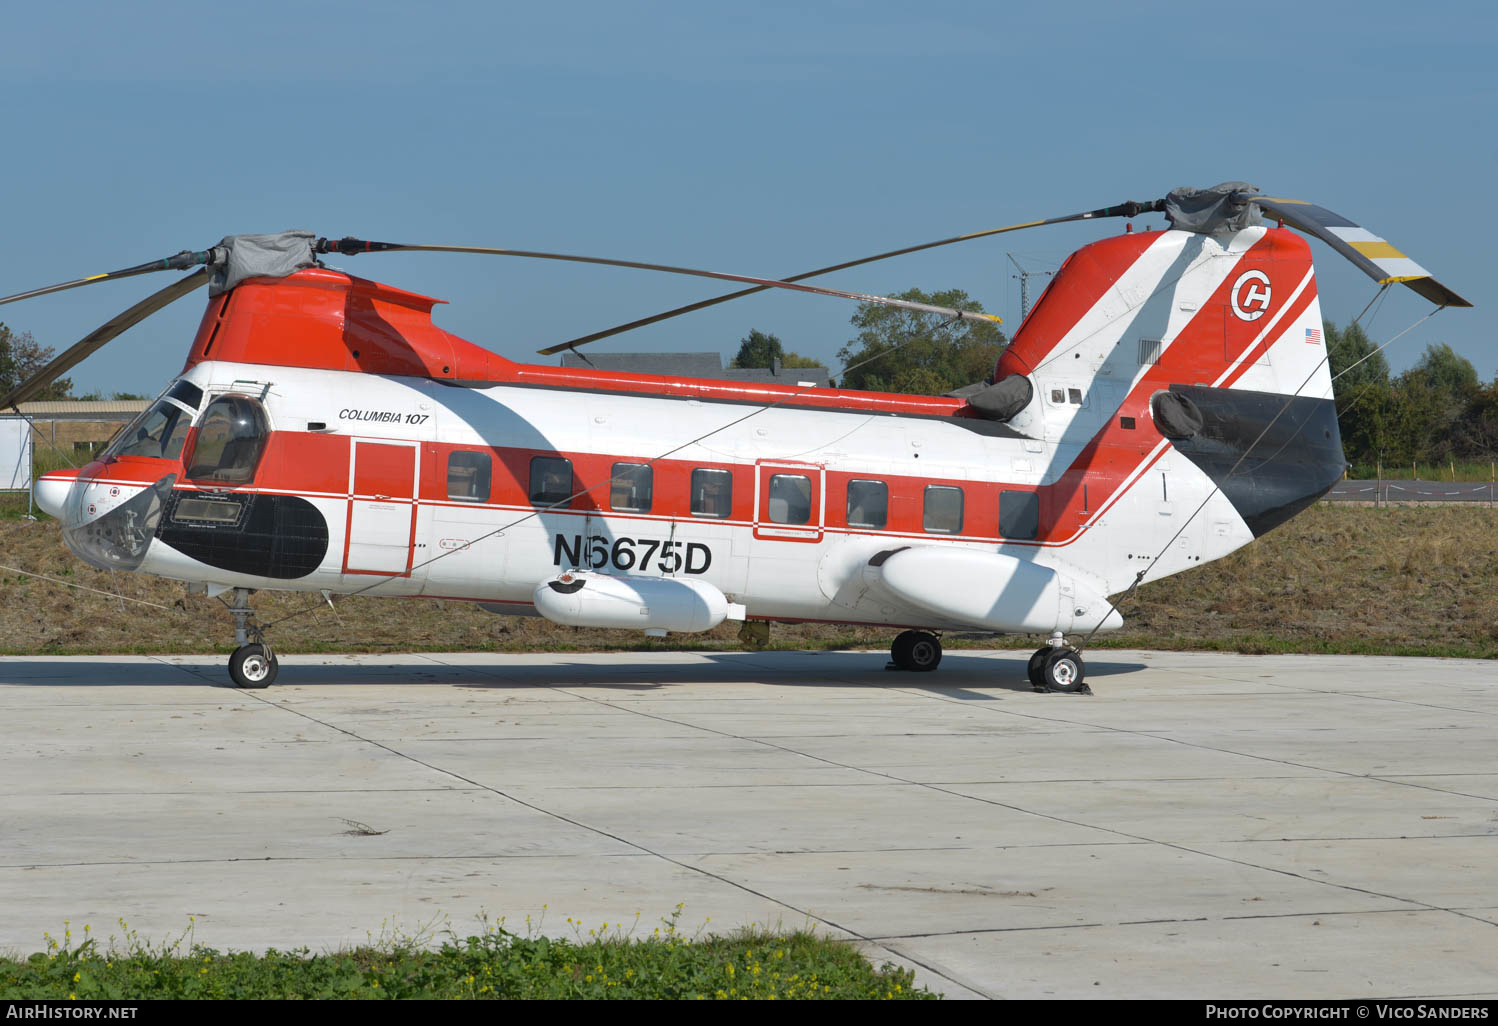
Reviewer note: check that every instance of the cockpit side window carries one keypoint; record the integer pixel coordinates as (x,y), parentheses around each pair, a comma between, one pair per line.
(231,439)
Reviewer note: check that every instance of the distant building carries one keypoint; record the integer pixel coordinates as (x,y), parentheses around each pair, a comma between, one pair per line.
(698,365)
(78,426)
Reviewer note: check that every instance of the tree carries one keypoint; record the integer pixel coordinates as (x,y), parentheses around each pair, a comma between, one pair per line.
(760,350)
(1436,410)
(1446,372)
(1475,433)
(21,357)
(1344,349)
(908,351)
(1439,387)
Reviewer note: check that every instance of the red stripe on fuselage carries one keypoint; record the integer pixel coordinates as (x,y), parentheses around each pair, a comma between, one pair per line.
(1201,352)
(1083,280)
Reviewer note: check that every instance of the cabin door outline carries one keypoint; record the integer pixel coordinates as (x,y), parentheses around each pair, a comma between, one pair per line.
(380,535)
(767,529)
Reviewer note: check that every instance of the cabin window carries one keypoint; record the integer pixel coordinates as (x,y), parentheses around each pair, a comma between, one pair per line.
(868,504)
(943,509)
(1019,515)
(630,487)
(468,475)
(551,481)
(1074,396)
(790,499)
(712,493)
(231,439)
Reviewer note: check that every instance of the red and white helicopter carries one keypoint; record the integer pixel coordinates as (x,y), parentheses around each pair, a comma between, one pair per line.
(1166,401)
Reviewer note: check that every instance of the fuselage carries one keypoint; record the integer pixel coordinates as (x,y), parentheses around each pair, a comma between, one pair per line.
(379,462)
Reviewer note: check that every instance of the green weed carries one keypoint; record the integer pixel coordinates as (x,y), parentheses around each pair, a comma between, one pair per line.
(608,962)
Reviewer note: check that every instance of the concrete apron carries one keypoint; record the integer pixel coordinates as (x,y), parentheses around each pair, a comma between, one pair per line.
(1207,825)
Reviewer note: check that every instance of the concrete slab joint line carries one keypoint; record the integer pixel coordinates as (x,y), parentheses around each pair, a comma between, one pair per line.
(1207,825)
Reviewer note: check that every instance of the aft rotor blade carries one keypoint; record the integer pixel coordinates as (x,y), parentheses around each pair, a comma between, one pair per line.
(116,325)
(1371,254)
(1121,210)
(351,246)
(177,262)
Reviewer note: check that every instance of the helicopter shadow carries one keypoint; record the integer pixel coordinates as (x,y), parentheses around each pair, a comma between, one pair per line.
(965,677)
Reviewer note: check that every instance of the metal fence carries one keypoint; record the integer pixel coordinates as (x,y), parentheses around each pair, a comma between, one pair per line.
(1381,492)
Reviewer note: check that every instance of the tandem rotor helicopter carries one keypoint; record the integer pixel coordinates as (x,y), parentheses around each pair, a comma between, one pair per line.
(1166,401)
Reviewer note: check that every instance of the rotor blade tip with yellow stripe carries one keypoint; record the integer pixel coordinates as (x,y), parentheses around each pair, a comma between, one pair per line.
(1376,257)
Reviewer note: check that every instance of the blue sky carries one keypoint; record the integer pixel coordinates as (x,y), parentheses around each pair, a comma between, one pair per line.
(761,139)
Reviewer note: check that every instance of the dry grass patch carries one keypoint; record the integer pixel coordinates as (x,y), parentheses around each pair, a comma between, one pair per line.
(1406,580)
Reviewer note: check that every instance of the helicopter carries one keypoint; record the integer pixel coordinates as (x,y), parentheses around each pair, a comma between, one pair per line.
(1167,400)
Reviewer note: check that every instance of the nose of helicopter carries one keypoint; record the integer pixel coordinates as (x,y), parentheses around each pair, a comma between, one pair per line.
(107,524)
(51,492)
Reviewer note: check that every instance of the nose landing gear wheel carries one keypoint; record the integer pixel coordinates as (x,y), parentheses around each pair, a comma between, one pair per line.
(918,651)
(1064,671)
(253,666)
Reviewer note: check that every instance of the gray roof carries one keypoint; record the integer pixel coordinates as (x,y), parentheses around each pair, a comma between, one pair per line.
(694,365)
(79,408)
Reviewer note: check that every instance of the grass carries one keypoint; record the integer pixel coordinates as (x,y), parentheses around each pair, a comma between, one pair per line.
(492,963)
(1413,580)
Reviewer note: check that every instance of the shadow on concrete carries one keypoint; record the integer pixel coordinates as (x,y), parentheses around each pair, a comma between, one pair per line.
(961,675)
(1006,673)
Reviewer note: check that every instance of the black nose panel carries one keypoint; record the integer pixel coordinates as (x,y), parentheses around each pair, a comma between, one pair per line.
(279,536)
(1271,454)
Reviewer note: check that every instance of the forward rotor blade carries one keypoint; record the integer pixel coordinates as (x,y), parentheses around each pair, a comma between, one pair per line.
(178,262)
(351,246)
(95,339)
(1130,209)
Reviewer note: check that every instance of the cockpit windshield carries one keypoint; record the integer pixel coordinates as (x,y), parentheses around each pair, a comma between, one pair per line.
(161,431)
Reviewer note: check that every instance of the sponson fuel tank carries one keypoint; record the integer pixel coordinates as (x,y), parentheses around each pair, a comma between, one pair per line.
(989,590)
(585,599)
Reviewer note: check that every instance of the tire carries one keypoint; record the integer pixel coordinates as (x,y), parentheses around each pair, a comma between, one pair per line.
(1064,670)
(916,651)
(1036,667)
(253,667)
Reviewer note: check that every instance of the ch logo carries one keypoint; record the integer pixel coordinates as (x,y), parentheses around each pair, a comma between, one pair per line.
(1251,295)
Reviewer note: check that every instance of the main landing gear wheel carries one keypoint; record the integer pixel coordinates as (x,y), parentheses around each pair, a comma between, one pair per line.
(253,666)
(1063,670)
(918,651)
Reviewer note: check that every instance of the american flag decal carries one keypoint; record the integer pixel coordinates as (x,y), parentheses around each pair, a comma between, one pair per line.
(1313,336)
